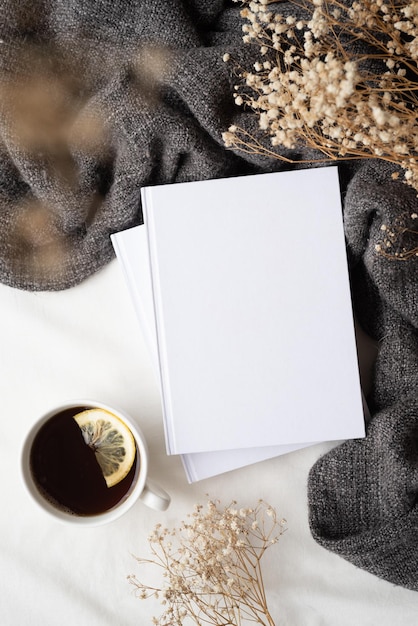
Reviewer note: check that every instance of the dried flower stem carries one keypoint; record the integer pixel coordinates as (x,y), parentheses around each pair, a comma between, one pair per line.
(398,238)
(213,574)
(340,78)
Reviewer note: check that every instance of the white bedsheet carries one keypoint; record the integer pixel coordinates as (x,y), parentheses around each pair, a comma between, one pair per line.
(85,343)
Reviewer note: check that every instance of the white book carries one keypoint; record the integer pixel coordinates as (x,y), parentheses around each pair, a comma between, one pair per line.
(252,312)
(131,249)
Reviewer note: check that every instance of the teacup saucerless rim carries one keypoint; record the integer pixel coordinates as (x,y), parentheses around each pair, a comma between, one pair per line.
(142,487)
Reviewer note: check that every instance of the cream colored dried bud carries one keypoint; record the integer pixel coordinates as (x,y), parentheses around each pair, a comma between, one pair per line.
(228,139)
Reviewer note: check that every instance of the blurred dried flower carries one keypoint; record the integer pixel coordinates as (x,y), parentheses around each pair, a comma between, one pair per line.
(34,224)
(35,233)
(51,128)
(39,97)
(213,572)
(43,104)
(150,66)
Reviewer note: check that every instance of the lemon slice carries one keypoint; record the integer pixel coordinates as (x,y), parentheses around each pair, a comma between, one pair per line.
(111,440)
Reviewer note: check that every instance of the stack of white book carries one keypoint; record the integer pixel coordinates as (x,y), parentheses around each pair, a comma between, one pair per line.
(242,291)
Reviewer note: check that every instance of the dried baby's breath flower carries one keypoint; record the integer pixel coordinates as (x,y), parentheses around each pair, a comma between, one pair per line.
(340,78)
(212,575)
(399,239)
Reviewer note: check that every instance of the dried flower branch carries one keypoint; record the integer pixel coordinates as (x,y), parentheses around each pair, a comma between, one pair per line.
(342,79)
(399,239)
(213,574)
(337,77)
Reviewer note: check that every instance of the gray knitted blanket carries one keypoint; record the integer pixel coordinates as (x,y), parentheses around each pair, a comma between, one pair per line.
(101,97)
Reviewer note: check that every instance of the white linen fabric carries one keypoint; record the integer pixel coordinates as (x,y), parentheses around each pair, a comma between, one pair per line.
(85,343)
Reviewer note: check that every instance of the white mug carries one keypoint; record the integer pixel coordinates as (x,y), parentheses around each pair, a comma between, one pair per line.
(141,487)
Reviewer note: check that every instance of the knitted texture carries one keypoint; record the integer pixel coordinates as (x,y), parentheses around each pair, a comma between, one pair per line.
(98,99)
(363,494)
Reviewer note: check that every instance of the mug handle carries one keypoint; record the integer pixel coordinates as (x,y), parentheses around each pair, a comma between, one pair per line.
(153,496)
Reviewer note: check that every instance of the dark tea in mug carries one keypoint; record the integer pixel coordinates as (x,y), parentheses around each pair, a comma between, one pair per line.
(84,460)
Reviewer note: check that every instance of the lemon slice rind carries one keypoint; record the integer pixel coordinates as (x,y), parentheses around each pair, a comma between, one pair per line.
(111,440)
